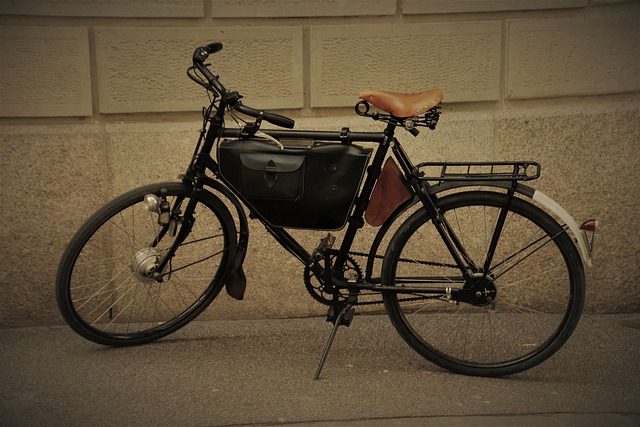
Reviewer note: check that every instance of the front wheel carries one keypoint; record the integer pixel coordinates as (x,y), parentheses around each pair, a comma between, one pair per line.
(514,316)
(104,288)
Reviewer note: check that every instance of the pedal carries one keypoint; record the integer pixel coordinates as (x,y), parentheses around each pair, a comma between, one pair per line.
(325,246)
(348,317)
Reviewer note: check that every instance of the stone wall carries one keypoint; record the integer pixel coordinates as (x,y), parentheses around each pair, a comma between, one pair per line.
(94,100)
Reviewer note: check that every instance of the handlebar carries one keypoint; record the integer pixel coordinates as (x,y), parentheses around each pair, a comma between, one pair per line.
(232,99)
(272,118)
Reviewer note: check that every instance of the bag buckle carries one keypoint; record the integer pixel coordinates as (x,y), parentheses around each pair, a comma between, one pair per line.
(270,175)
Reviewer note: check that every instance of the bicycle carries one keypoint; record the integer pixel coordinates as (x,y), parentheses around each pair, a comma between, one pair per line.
(478,277)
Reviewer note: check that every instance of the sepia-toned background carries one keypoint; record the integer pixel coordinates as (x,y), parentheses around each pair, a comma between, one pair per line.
(94,100)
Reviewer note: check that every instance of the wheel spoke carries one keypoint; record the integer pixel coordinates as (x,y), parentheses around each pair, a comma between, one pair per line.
(106,291)
(536,288)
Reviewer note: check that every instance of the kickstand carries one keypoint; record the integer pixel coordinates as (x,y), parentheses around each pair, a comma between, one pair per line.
(344,318)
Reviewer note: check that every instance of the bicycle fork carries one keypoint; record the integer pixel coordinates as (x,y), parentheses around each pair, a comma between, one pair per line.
(167,218)
(195,174)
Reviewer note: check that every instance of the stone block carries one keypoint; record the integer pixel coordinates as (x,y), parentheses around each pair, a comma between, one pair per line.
(589,156)
(53,178)
(105,8)
(411,7)
(44,71)
(463,59)
(138,154)
(143,69)
(301,8)
(593,55)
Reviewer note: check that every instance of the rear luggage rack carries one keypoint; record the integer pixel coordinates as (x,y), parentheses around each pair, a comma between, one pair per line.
(474,171)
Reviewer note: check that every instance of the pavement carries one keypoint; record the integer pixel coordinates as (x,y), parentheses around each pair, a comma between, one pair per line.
(260,373)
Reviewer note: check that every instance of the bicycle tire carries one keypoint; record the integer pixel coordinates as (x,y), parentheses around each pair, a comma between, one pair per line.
(99,290)
(539,287)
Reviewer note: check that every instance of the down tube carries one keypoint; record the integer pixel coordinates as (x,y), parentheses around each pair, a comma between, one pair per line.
(287,241)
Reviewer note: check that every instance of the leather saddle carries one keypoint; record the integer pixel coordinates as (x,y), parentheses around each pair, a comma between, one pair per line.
(403,104)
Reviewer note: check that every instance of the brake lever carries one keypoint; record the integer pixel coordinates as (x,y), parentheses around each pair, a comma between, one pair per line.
(253,129)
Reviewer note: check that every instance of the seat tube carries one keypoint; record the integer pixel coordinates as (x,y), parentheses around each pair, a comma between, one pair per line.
(356,220)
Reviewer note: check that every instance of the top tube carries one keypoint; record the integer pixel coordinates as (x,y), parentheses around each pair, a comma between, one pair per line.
(345,136)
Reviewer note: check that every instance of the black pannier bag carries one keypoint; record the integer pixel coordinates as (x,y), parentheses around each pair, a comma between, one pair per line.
(309,184)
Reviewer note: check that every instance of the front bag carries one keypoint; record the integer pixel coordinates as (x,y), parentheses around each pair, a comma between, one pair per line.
(310,184)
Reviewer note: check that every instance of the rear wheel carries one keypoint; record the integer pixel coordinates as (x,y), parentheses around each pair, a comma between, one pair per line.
(103,287)
(515,316)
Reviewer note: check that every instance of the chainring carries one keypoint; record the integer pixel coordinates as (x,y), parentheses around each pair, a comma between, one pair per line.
(315,285)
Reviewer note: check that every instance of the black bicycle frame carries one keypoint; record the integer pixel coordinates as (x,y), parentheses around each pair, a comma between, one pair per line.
(356,219)
(203,161)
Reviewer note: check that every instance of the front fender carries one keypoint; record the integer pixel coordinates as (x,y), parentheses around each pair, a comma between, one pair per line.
(237,282)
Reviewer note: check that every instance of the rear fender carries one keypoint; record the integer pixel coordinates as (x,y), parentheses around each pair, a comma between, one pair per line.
(580,237)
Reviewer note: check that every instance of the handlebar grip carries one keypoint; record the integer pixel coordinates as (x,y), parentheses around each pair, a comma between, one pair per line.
(214,47)
(202,53)
(239,106)
(279,120)
(273,118)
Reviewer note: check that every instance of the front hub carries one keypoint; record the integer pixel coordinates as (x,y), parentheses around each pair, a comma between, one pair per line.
(144,264)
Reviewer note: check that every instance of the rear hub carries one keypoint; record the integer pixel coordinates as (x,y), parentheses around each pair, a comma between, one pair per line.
(480,290)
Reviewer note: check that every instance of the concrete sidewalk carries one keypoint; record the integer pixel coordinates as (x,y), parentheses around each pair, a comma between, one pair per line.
(259,373)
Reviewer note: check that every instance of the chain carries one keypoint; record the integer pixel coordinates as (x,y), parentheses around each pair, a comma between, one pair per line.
(413,261)
(381,301)
(424,297)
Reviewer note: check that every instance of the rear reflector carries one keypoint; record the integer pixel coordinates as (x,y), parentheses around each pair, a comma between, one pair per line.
(589,225)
